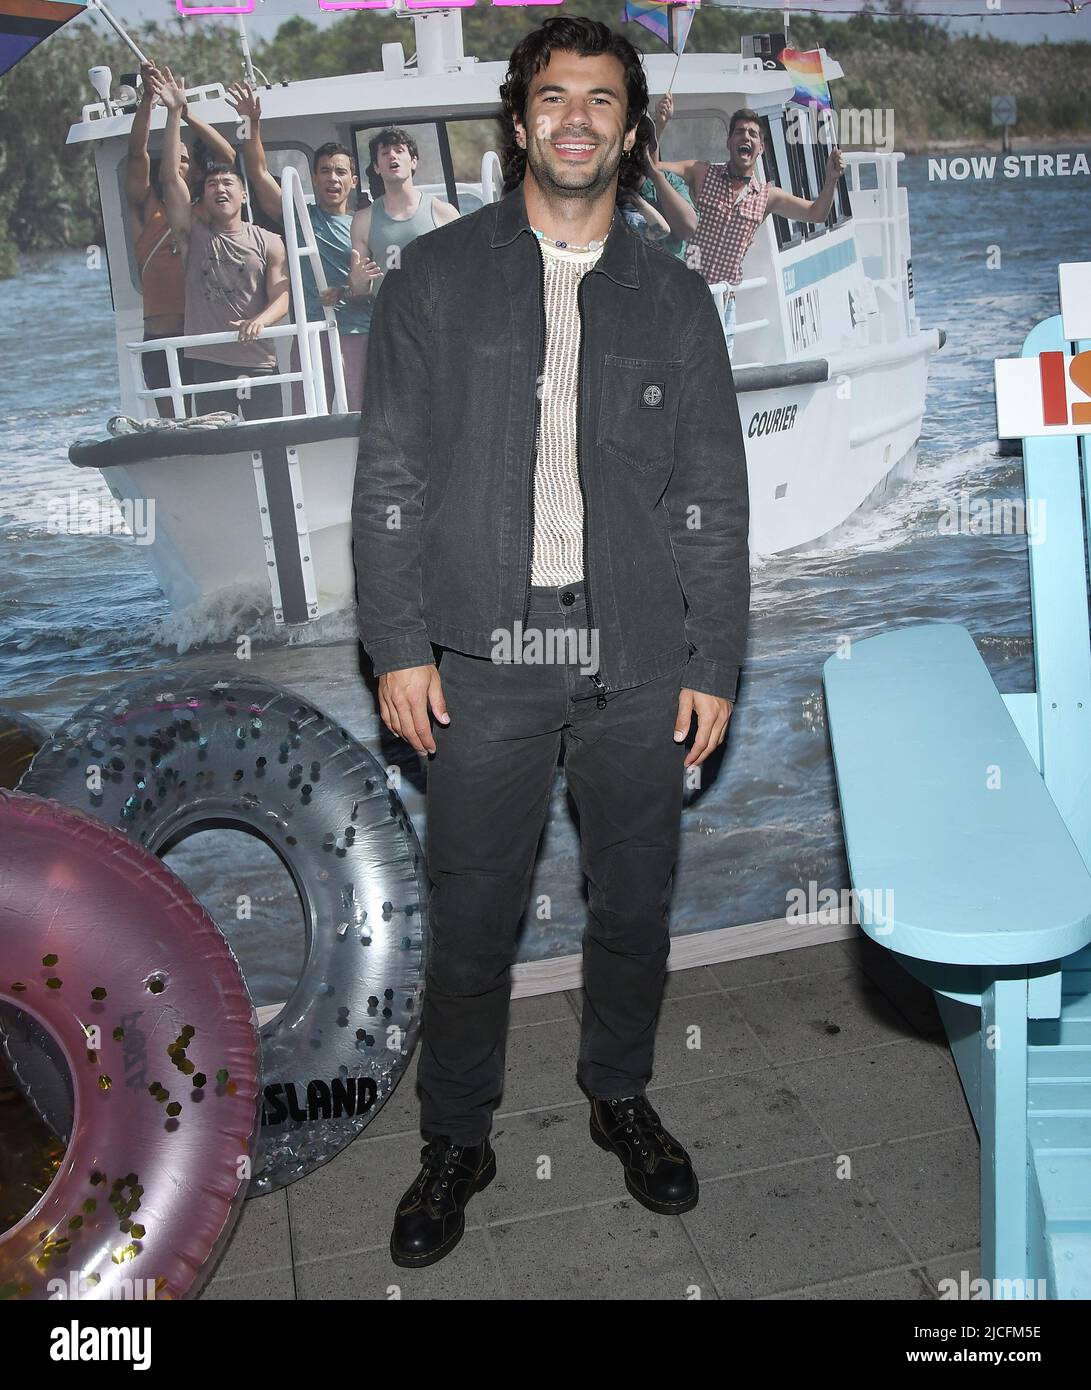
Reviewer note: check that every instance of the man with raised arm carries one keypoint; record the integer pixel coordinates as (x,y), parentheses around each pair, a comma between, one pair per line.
(669,199)
(732,204)
(162,273)
(236,276)
(335,183)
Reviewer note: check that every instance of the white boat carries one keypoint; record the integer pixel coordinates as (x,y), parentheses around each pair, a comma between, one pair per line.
(830,358)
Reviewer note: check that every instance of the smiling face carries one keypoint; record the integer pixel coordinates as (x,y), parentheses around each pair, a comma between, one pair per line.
(744,147)
(574,133)
(334,182)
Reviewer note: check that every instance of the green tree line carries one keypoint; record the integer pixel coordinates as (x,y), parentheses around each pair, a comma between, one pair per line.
(938,85)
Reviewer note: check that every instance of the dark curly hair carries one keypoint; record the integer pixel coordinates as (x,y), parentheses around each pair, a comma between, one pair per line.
(390,137)
(587,38)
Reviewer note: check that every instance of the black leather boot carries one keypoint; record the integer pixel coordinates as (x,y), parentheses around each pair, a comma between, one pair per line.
(658,1172)
(430,1218)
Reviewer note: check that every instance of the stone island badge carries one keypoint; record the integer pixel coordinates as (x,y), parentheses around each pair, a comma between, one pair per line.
(651,394)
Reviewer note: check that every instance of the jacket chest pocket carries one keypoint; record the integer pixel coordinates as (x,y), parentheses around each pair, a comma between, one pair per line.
(638,408)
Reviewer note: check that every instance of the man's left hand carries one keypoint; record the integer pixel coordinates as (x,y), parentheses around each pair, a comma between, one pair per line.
(713,713)
(169,89)
(836,166)
(362,275)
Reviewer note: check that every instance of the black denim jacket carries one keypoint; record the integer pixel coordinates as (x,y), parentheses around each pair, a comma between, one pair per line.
(442,513)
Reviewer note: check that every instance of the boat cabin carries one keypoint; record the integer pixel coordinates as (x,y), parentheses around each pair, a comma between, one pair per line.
(809,290)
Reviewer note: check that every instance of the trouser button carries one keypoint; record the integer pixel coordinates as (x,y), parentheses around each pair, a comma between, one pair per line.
(568,598)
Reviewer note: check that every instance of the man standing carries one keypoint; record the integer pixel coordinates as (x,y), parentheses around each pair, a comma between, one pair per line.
(236,275)
(397,216)
(551,461)
(732,204)
(335,183)
(162,274)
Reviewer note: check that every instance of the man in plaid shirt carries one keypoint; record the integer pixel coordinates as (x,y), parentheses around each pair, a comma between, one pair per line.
(731,204)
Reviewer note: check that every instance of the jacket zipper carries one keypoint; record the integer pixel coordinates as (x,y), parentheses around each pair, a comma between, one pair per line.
(537,424)
(596,679)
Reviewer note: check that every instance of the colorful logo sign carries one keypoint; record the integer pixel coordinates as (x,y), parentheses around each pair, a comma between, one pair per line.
(1051,394)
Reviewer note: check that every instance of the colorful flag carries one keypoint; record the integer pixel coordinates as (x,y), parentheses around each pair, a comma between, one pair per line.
(653,14)
(680,21)
(812,89)
(25,23)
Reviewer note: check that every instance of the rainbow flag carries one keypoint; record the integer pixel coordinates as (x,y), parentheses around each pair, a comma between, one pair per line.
(812,89)
(25,23)
(680,21)
(652,14)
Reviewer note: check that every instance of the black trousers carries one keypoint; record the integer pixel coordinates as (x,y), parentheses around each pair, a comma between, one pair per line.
(489,785)
(263,403)
(156,371)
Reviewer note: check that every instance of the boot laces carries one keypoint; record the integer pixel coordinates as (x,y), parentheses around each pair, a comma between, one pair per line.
(439,1157)
(641,1123)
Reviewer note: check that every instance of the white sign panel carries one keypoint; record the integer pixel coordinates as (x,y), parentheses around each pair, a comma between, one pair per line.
(1021,400)
(1075,278)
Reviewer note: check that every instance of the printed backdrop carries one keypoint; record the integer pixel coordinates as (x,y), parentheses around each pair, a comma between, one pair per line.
(79,609)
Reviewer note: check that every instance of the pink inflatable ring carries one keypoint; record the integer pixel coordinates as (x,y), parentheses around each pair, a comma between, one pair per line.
(110,954)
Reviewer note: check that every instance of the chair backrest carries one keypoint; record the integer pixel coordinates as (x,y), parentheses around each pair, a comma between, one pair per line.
(1059,604)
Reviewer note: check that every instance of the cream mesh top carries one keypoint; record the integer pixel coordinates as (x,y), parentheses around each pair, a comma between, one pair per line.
(558,505)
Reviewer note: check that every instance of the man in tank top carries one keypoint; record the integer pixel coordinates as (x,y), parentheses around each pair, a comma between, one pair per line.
(399,215)
(732,203)
(335,182)
(162,274)
(236,278)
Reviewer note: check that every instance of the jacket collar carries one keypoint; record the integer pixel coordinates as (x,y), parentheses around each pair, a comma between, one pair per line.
(618,259)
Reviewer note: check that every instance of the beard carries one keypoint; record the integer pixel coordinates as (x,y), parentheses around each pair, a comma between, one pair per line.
(595,182)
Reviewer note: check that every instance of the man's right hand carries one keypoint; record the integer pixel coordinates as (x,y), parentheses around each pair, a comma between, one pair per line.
(246,102)
(664,110)
(404,700)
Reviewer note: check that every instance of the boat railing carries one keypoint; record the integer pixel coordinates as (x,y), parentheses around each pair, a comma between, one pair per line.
(305,331)
(887,215)
(234,380)
(723,288)
(294,210)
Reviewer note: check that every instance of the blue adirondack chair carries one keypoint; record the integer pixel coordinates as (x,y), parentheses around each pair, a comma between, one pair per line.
(970,813)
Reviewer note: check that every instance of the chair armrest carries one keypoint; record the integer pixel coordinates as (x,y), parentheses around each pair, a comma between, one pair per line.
(948,825)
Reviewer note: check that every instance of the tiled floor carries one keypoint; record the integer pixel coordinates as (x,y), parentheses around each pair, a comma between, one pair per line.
(813,1090)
